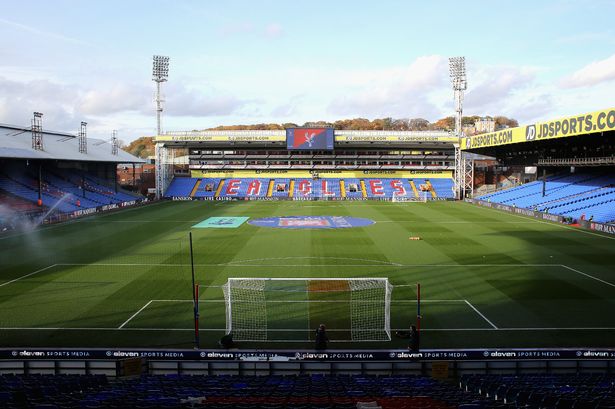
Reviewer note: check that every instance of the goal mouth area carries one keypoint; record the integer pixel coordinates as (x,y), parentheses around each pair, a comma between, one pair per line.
(290,309)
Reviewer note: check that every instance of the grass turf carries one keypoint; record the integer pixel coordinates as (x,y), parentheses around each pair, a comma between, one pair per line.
(488,279)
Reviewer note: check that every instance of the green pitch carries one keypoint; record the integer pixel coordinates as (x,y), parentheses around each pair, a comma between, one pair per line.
(488,279)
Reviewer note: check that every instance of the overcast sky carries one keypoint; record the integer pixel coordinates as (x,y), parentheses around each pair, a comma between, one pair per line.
(295,61)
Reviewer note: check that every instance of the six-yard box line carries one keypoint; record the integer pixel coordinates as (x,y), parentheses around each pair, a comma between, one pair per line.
(494,327)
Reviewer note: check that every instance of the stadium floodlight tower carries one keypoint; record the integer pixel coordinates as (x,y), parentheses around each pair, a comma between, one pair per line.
(464,165)
(37,131)
(160,73)
(83,138)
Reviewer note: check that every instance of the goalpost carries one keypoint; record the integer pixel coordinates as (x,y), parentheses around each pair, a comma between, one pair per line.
(290,309)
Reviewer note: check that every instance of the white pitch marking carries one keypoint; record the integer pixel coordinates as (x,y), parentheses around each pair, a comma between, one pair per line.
(135,314)
(314,301)
(238,264)
(28,275)
(329,330)
(549,223)
(311,258)
(481,314)
(588,275)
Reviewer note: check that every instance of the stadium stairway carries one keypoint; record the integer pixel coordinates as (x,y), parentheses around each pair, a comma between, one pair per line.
(431,189)
(568,195)
(280,188)
(182,187)
(270,188)
(442,187)
(363,189)
(414,189)
(195,188)
(207,187)
(306,188)
(291,188)
(241,392)
(353,188)
(219,189)
(565,391)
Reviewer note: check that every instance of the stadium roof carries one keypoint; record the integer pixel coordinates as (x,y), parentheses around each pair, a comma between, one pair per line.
(593,123)
(273,138)
(16,143)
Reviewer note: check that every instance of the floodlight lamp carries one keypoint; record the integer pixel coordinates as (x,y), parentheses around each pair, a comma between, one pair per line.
(160,70)
(38,114)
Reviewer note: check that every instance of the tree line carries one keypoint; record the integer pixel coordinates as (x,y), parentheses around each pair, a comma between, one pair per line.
(144,146)
(379,124)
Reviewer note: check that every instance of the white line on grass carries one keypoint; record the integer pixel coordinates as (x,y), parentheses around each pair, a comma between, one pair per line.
(588,275)
(78,220)
(313,301)
(238,264)
(549,223)
(135,314)
(28,275)
(450,222)
(312,258)
(481,314)
(224,329)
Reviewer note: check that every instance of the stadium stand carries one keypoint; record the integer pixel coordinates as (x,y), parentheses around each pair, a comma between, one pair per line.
(352,188)
(204,188)
(443,188)
(389,188)
(560,391)
(280,188)
(256,188)
(243,392)
(305,189)
(579,195)
(182,187)
(60,188)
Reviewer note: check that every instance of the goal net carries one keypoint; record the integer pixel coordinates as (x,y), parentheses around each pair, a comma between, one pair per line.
(290,309)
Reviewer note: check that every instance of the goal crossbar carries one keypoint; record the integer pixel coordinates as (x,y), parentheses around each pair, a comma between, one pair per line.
(265,308)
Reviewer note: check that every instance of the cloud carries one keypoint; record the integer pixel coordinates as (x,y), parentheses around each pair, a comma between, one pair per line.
(46,34)
(399,91)
(115,98)
(183,101)
(235,28)
(108,105)
(592,74)
(497,84)
(271,31)
(274,30)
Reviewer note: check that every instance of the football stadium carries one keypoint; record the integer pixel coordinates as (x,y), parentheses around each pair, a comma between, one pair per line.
(310,266)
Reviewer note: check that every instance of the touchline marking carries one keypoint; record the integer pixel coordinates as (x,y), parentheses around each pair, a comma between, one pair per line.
(549,223)
(78,220)
(238,264)
(135,314)
(312,301)
(312,258)
(224,329)
(588,275)
(28,275)
(451,222)
(481,314)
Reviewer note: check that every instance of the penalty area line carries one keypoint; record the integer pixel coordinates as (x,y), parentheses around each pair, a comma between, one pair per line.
(587,275)
(481,314)
(28,275)
(135,314)
(290,330)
